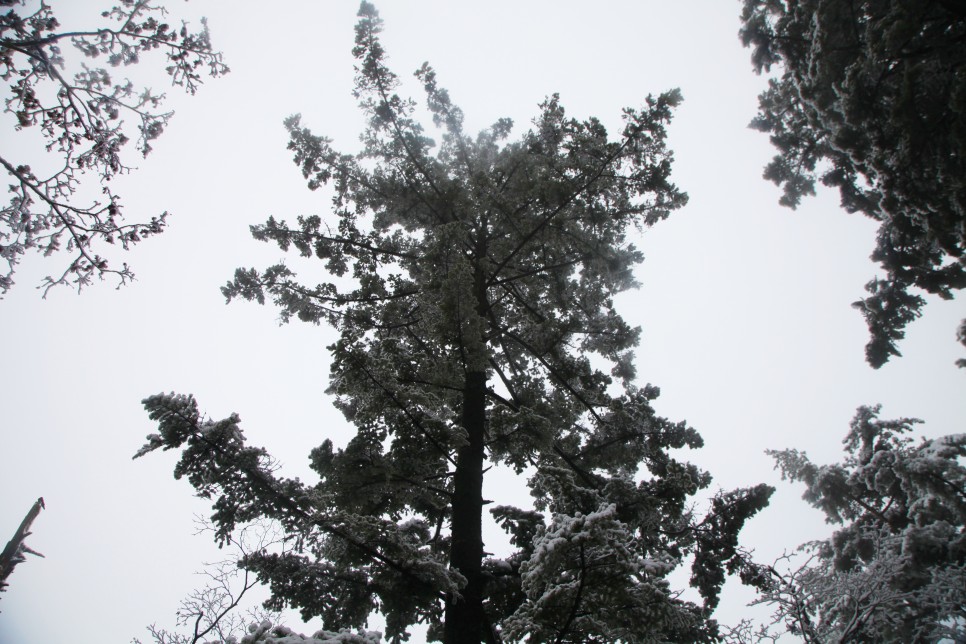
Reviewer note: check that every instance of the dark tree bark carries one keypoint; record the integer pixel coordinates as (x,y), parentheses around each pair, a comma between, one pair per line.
(464,615)
(13,554)
(464,623)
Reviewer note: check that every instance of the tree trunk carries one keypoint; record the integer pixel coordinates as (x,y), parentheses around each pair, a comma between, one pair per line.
(464,615)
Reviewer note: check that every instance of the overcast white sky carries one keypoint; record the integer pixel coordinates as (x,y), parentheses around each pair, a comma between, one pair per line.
(744,305)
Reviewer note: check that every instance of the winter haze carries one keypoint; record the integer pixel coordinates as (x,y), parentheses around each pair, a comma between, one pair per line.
(744,305)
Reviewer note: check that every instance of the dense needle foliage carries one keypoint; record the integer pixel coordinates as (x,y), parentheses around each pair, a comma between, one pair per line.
(896,569)
(472,285)
(870,98)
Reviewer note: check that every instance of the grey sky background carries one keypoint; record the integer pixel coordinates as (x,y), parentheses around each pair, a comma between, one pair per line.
(744,305)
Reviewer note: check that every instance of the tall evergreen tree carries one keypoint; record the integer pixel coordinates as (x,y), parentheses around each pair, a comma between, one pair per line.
(473,289)
(871,99)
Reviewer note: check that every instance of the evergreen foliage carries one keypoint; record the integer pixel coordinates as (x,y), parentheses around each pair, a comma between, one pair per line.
(896,570)
(871,99)
(472,286)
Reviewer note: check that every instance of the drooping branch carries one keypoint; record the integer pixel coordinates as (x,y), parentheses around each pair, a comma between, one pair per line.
(210,464)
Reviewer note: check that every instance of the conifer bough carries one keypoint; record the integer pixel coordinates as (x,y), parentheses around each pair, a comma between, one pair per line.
(871,99)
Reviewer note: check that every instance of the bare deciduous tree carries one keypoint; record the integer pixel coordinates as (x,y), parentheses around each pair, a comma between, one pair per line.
(215,613)
(81,117)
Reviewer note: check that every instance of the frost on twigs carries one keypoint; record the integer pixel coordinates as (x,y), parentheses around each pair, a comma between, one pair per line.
(221,610)
(80,116)
(896,569)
